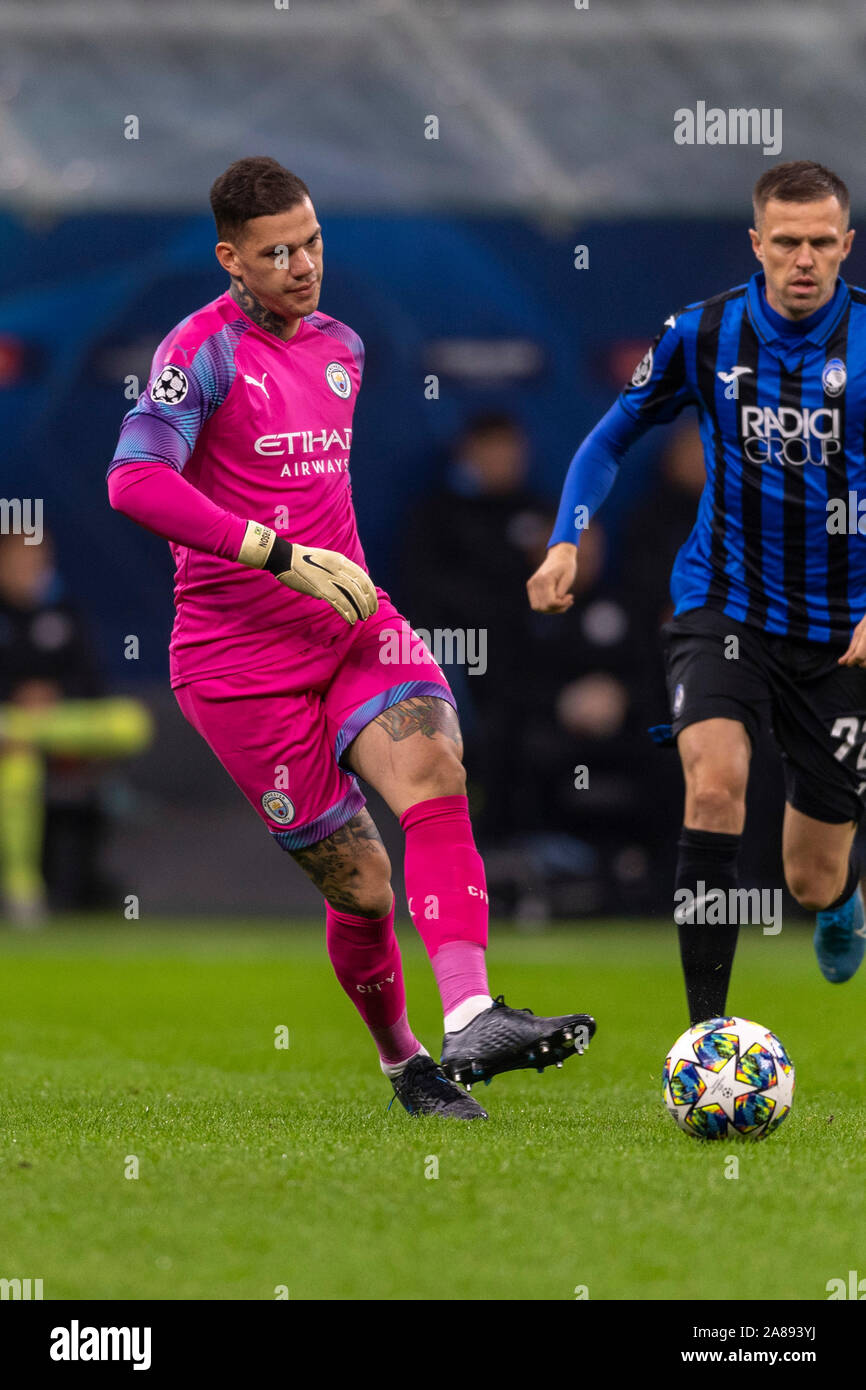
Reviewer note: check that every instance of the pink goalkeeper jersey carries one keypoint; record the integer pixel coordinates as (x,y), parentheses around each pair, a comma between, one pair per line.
(263,428)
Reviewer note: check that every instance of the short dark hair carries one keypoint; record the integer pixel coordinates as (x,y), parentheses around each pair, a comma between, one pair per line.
(799,181)
(253,187)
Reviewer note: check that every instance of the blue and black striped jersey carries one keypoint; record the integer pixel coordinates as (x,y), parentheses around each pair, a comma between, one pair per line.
(782,421)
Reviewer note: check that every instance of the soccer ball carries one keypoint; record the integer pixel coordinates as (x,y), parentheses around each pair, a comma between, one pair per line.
(728,1078)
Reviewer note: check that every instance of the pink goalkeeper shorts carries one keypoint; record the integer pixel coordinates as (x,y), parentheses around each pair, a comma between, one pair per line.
(280,730)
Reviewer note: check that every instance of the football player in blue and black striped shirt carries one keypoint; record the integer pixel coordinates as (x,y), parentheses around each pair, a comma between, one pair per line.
(770,588)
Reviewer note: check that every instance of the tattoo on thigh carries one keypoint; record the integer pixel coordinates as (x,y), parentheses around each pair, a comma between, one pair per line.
(423,714)
(335,863)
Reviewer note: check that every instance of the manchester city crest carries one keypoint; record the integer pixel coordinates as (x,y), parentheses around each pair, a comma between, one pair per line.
(338,379)
(278,807)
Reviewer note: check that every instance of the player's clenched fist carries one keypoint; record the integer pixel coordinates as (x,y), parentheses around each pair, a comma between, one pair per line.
(323,574)
(549,588)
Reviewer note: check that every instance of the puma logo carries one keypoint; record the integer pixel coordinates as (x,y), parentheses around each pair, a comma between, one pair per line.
(261,384)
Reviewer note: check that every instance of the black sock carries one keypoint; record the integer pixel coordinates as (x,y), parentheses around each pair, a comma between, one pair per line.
(850,884)
(707,951)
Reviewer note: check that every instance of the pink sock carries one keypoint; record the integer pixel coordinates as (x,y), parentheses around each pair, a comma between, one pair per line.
(447,894)
(366,961)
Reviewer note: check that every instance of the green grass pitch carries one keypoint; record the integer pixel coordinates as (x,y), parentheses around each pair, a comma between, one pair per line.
(261,1168)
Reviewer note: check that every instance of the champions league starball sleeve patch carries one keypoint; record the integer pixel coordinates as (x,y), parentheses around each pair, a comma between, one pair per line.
(170,387)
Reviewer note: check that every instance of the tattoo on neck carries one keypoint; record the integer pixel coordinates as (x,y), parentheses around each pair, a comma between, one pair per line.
(265,318)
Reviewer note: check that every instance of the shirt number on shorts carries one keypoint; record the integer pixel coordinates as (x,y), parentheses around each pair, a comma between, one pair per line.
(847,727)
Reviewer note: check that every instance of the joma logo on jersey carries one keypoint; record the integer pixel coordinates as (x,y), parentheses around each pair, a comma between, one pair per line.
(309,440)
(789,435)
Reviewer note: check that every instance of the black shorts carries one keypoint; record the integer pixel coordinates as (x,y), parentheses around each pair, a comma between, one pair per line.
(815,708)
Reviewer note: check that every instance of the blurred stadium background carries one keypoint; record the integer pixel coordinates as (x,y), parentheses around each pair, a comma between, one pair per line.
(452,257)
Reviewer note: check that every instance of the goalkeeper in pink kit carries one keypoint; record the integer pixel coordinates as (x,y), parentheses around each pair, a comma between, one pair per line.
(282,649)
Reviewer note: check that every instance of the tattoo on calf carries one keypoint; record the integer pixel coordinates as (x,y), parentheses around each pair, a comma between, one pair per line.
(423,714)
(334,863)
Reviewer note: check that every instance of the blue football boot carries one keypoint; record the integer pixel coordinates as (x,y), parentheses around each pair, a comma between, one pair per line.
(840,939)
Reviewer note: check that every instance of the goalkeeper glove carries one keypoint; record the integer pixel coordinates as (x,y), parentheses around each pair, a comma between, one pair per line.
(324,574)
